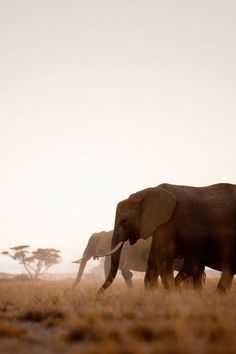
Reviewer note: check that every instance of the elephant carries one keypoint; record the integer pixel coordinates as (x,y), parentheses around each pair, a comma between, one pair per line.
(198,222)
(132,258)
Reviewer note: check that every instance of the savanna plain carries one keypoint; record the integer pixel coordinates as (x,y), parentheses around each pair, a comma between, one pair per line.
(48,317)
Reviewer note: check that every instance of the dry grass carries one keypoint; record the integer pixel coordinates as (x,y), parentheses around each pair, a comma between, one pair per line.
(47,317)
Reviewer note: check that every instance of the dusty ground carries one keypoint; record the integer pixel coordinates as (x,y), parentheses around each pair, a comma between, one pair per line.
(46,317)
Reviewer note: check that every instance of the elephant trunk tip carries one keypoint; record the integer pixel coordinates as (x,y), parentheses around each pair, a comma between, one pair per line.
(99,293)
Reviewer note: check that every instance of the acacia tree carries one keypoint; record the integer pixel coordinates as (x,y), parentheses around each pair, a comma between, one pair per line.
(35,262)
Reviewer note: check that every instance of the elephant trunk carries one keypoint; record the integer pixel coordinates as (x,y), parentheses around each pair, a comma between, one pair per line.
(115,260)
(80,273)
(85,259)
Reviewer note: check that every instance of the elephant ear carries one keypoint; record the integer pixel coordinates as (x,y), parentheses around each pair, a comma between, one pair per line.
(157,208)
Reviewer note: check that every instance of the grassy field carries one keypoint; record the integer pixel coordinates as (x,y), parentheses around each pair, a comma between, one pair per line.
(47,317)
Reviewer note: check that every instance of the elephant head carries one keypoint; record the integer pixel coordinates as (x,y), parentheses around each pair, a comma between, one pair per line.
(98,242)
(139,216)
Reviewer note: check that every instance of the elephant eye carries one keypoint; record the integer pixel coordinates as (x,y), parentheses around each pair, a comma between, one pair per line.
(123,222)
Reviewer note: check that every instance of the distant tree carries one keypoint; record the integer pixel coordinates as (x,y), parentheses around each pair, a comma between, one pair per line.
(35,262)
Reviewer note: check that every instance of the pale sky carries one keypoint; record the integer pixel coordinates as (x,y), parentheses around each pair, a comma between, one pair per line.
(99,99)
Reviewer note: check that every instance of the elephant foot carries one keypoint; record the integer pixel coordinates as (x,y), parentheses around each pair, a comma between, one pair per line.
(169,288)
(168,283)
(151,281)
(129,283)
(151,285)
(225,281)
(178,282)
(221,290)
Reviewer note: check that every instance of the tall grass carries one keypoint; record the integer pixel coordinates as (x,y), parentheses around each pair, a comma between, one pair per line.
(48,317)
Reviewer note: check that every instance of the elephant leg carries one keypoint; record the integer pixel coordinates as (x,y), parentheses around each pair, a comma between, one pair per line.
(127,275)
(80,274)
(192,267)
(165,263)
(164,239)
(225,280)
(199,277)
(107,266)
(152,273)
(180,277)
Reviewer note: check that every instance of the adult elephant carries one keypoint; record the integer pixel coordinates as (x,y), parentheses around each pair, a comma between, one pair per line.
(199,222)
(132,258)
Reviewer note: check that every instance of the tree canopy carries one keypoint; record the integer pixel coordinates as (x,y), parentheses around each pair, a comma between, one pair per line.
(35,262)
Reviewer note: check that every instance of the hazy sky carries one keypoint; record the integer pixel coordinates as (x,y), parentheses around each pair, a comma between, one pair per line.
(99,99)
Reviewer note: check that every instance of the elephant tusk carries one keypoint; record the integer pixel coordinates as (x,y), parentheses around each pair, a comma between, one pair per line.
(120,244)
(79,260)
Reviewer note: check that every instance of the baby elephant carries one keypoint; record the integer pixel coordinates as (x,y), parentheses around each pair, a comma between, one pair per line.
(135,258)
